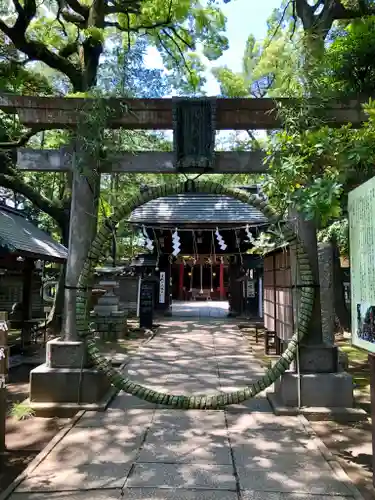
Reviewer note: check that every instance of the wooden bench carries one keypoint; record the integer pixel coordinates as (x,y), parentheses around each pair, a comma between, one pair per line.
(257,325)
(271,342)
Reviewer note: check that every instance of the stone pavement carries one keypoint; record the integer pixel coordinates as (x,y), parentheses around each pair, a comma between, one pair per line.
(137,451)
(200,309)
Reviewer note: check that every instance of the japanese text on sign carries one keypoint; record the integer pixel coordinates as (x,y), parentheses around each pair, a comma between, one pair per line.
(361,208)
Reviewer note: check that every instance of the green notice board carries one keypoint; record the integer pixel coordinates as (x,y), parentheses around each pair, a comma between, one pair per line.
(361,208)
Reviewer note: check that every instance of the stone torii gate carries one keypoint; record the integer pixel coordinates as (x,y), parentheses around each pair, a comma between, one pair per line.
(66,380)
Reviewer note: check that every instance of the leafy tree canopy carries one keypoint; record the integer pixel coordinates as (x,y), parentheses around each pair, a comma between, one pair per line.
(349,59)
(271,67)
(72,36)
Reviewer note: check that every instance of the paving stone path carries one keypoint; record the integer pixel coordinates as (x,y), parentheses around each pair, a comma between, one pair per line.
(137,451)
(200,309)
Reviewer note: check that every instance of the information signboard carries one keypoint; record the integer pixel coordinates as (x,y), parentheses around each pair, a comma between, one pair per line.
(146,303)
(250,288)
(361,208)
(162,288)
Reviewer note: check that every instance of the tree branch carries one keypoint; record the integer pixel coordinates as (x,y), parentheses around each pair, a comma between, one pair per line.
(80,9)
(305,12)
(279,24)
(37,51)
(130,6)
(135,29)
(53,209)
(333,10)
(22,141)
(174,31)
(25,14)
(339,11)
(74,18)
(59,12)
(318,4)
(178,48)
(69,49)
(134,7)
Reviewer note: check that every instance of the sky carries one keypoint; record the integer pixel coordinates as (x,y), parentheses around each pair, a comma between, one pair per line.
(244,17)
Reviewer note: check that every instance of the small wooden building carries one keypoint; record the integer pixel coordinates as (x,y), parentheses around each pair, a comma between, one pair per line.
(22,245)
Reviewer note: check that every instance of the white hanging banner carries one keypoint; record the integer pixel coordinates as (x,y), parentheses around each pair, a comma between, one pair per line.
(162,288)
(176,243)
(220,240)
(149,244)
(250,237)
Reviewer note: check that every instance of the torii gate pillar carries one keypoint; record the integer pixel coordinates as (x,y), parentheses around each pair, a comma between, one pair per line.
(316,384)
(66,381)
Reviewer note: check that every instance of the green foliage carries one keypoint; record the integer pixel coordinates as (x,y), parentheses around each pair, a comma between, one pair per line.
(79,34)
(349,59)
(92,121)
(305,172)
(266,242)
(337,232)
(21,411)
(312,167)
(271,67)
(123,72)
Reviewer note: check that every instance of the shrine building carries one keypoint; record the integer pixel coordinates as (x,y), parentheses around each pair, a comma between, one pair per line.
(199,250)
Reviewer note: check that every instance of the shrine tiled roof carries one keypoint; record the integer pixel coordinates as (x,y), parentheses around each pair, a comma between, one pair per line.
(196,209)
(20,236)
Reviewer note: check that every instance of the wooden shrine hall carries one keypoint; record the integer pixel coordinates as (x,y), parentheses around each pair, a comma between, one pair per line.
(204,267)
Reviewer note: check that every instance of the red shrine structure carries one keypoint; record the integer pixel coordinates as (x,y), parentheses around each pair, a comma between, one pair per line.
(205,267)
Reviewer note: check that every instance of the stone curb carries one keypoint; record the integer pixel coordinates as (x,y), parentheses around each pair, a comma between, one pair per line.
(4,495)
(330,459)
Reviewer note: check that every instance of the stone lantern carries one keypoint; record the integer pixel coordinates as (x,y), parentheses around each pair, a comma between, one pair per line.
(108,315)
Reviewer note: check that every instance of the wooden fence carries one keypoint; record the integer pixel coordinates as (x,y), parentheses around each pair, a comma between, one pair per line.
(278,294)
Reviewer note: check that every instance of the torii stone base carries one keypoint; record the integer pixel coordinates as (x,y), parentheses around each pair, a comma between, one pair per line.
(67,382)
(322,390)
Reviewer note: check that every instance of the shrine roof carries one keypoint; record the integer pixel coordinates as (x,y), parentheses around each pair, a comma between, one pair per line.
(196,209)
(20,236)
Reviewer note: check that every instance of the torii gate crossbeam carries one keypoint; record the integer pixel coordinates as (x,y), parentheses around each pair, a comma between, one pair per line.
(157,114)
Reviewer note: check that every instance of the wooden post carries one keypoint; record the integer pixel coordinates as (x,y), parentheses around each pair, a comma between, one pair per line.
(4,360)
(274,292)
(27,287)
(371,360)
(221,280)
(181,282)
